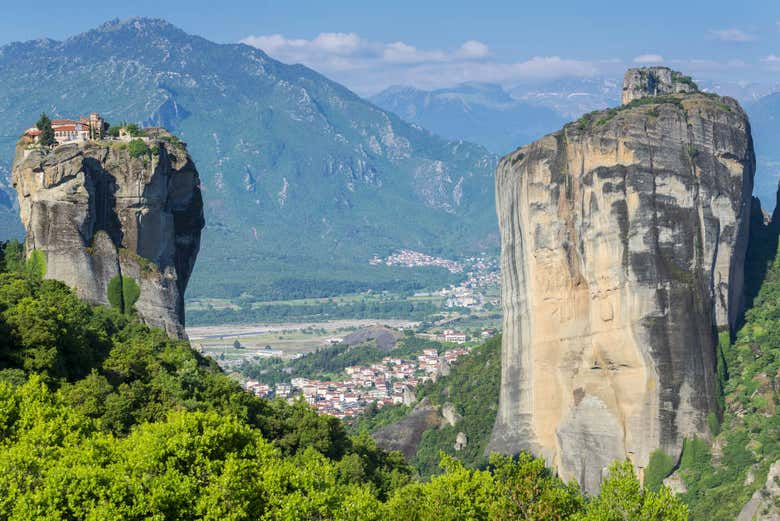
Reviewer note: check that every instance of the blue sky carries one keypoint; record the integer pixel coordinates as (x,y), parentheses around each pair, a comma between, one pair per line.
(368,45)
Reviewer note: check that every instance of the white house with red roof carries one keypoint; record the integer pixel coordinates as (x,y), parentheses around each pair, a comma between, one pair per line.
(72,130)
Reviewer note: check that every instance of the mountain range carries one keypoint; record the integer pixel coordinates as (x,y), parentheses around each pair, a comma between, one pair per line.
(483,113)
(303,180)
(502,119)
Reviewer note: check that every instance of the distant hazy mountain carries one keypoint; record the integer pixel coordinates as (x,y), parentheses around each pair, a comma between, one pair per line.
(571,97)
(480,112)
(765,121)
(745,92)
(303,181)
(501,120)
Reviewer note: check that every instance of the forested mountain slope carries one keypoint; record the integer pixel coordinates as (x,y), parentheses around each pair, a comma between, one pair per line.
(303,181)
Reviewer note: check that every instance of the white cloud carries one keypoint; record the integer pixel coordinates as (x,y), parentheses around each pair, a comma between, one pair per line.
(368,66)
(732,35)
(338,43)
(708,66)
(473,49)
(771,62)
(400,52)
(327,45)
(649,58)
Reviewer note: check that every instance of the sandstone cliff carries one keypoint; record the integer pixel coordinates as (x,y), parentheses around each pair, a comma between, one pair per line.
(99,215)
(623,245)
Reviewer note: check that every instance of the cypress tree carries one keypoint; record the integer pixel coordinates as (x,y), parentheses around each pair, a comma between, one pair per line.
(47,132)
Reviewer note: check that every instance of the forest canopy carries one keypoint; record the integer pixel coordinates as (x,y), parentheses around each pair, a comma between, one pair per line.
(104,418)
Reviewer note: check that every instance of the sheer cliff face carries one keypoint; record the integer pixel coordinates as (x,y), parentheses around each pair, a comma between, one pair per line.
(97,213)
(623,244)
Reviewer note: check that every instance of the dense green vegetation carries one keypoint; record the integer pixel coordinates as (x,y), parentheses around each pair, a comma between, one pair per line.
(329,362)
(123,292)
(398,308)
(659,466)
(138,148)
(36,263)
(749,438)
(80,386)
(103,418)
(472,387)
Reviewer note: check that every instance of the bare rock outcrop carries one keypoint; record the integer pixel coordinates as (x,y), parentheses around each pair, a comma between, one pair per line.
(654,81)
(763,505)
(450,414)
(98,214)
(405,435)
(461,441)
(623,245)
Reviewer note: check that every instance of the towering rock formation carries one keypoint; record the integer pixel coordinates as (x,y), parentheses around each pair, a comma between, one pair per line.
(102,217)
(623,243)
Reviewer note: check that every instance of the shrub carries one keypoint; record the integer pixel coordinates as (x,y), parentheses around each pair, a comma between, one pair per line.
(660,466)
(687,80)
(134,130)
(13,256)
(138,148)
(36,263)
(713,423)
(123,292)
(47,132)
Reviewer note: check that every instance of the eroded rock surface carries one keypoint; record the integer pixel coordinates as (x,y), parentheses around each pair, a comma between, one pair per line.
(405,435)
(95,213)
(654,81)
(623,244)
(763,505)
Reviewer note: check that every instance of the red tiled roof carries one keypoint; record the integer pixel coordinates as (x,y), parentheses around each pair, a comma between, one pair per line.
(33,132)
(71,128)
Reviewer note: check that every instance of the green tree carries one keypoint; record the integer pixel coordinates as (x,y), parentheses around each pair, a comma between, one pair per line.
(138,148)
(622,498)
(36,264)
(122,293)
(659,466)
(47,138)
(528,490)
(458,493)
(133,129)
(12,256)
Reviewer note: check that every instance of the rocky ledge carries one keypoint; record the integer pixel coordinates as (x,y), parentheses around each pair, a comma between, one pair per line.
(623,244)
(119,224)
